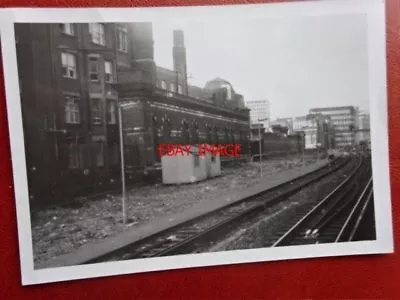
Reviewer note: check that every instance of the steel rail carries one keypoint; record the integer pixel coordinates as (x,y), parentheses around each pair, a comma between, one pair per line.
(220,226)
(361,215)
(284,237)
(353,211)
(230,218)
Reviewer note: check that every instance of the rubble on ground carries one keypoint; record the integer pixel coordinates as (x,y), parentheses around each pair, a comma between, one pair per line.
(58,231)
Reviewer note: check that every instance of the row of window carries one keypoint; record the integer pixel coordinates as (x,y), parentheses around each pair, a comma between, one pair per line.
(345,111)
(343,124)
(343,127)
(69,68)
(76,155)
(344,139)
(342,117)
(73,114)
(97,34)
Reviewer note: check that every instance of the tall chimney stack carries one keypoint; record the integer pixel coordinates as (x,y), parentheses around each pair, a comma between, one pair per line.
(143,55)
(179,56)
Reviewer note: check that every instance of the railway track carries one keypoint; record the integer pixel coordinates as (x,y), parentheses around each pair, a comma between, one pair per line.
(337,217)
(185,237)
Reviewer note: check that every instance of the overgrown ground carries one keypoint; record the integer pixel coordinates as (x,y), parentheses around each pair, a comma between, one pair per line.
(57,231)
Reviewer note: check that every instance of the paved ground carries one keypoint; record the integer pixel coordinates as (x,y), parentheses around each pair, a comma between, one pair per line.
(60,231)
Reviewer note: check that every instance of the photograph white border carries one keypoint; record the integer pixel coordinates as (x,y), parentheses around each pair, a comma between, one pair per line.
(375,12)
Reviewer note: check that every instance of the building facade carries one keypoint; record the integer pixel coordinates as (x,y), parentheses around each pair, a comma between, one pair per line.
(308,127)
(317,129)
(284,122)
(344,122)
(74,77)
(364,130)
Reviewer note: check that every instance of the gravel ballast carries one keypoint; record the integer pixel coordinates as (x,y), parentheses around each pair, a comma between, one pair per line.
(62,230)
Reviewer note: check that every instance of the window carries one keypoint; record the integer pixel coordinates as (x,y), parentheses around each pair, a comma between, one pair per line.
(96,111)
(97,34)
(74,156)
(108,71)
(163,84)
(172,87)
(93,68)
(72,113)
(179,89)
(111,112)
(68,62)
(99,154)
(67,28)
(122,39)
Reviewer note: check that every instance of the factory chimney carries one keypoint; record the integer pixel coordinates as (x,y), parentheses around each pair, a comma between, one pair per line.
(179,56)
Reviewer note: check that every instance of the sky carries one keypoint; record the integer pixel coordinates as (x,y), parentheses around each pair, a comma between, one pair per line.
(295,63)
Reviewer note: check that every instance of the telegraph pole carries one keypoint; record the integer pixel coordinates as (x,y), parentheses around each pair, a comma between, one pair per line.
(259,142)
(121,145)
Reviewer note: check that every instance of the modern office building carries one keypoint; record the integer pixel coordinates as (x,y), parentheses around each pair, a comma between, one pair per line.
(344,121)
(259,110)
(364,131)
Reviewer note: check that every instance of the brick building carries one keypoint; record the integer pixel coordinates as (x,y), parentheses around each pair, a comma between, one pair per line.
(73,77)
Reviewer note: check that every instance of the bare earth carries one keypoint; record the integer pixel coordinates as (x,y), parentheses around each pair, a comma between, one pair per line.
(58,231)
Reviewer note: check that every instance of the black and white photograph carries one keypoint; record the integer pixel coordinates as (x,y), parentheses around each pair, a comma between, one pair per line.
(163,138)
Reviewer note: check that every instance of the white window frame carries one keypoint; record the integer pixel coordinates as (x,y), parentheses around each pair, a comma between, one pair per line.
(108,71)
(67,28)
(72,110)
(122,38)
(97,33)
(94,72)
(68,63)
(97,116)
(163,84)
(112,112)
(180,90)
(172,87)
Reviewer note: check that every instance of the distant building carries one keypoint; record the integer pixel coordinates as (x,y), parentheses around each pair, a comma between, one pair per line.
(363,132)
(284,122)
(259,109)
(309,127)
(257,131)
(170,80)
(280,130)
(223,93)
(200,93)
(344,122)
(302,122)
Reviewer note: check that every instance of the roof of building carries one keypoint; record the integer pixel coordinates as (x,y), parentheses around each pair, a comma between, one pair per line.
(218,83)
(333,108)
